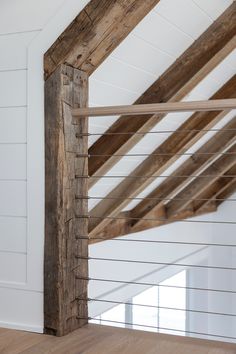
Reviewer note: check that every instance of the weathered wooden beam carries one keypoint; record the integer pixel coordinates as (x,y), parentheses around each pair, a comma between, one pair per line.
(67,88)
(226,193)
(197,162)
(215,189)
(123,224)
(179,142)
(95,33)
(155,108)
(201,183)
(188,70)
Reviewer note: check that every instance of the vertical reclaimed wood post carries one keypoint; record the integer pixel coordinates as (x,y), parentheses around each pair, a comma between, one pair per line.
(65,232)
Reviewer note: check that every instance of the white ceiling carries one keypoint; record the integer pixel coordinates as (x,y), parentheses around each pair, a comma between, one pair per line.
(161,37)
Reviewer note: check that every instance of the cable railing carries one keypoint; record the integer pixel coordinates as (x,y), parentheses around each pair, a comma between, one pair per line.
(174,274)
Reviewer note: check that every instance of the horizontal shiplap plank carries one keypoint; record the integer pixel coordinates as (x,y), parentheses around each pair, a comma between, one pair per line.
(21,309)
(127,77)
(13,125)
(12,234)
(13,88)
(163,35)
(12,267)
(213,8)
(13,198)
(13,49)
(13,161)
(129,52)
(194,24)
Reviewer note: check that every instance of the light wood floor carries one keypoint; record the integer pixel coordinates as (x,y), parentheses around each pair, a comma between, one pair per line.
(94,339)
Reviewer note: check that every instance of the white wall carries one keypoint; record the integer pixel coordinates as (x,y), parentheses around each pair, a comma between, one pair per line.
(203,278)
(27,30)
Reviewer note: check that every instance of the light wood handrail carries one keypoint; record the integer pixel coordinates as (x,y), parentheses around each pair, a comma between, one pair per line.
(155,108)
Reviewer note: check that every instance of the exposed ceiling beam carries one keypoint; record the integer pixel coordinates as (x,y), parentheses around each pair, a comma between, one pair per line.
(99,28)
(156,163)
(123,225)
(228,191)
(200,184)
(187,71)
(197,162)
(216,189)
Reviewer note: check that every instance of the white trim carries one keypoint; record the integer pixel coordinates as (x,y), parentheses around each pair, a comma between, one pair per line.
(21,327)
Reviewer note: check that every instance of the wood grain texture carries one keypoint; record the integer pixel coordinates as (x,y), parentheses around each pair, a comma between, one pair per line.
(179,142)
(95,33)
(198,185)
(226,193)
(155,108)
(67,88)
(216,189)
(192,166)
(125,225)
(94,339)
(173,85)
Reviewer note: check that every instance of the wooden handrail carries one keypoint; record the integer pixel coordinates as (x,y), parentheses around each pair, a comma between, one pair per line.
(155,108)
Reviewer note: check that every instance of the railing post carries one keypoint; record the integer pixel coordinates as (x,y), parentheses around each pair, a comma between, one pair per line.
(65,234)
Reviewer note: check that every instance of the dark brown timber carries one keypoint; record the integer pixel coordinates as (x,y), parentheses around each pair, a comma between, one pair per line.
(192,166)
(67,88)
(99,28)
(199,185)
(188,70)
(217,189)
(123,225)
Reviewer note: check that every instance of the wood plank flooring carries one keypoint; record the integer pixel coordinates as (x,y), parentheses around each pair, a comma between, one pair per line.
(95,339)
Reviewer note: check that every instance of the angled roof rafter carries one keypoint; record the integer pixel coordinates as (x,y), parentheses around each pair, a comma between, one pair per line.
(154,164)
(198,185)
(216,188)
(192,166)
(95,33)
(188,70)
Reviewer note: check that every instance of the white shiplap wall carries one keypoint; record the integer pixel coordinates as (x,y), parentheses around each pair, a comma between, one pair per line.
(27,29)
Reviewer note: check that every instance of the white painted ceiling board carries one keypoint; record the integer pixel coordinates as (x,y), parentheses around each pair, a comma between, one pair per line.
(136,51)
(105,94)
(213,8)
(185,15)
(127,77)
(162,34)
(26,15)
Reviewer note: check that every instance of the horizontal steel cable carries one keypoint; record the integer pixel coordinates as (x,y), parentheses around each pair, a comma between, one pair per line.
(157,285)
(161,220)
(157,132)
(155,176)
(159,154)
(157,199)
(155,241)
(155,263)
(157,307)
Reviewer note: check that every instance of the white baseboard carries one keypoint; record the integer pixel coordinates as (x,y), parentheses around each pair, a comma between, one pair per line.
(21,327)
